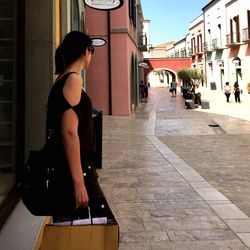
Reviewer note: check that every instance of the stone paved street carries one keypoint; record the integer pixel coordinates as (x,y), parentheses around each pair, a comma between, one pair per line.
(173,181)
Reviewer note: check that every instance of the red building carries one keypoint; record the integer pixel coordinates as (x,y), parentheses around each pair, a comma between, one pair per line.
(112,80)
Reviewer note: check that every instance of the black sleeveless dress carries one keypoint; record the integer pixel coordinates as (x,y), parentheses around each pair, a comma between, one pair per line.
(57,105)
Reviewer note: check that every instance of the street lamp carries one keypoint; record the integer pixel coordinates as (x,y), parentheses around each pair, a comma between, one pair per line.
(237,62)
(151,49)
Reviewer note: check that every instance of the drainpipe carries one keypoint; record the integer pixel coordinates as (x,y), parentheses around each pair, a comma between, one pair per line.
(109,64)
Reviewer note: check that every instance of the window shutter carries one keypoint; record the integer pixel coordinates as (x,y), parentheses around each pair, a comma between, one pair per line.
(238,28)
(231,31)
(130,8)
(248,21)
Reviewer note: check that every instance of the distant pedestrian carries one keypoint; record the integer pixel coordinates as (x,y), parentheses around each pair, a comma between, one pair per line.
(142,91)
(237,92)
(197,93)
(173,86)
(146,92)
(227,90)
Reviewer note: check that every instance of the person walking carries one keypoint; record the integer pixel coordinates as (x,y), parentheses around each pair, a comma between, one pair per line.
(227,90)
(173,86)
(237,92)
(142,91)
(146,92)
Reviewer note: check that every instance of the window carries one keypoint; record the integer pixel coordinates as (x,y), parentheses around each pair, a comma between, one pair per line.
(248,22)
(75,15)
(209,38)
(235,29)
(219,43)
(199,43)
(132,11)
(8,98)
(237,23)
(248,18)
(193,45)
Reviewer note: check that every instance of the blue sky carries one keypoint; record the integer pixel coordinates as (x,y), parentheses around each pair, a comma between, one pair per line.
(170,19)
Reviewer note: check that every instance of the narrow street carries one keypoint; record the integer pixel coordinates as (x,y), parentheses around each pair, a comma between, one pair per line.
(173,181)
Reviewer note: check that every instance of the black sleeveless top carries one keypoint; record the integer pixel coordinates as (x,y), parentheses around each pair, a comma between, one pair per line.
(57,105)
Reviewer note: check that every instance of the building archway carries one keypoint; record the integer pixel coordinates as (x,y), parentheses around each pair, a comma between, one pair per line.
(160,77)
(169,66)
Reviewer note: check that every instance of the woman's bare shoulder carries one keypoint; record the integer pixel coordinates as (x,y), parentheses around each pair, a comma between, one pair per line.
(72,89)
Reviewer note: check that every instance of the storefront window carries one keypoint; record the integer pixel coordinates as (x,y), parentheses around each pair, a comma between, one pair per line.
(75,15)
(7,97)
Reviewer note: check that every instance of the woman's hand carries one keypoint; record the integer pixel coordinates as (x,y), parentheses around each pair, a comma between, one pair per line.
(81,196)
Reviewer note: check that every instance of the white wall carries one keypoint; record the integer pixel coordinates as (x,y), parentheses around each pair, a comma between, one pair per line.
(240,8)
(214,16)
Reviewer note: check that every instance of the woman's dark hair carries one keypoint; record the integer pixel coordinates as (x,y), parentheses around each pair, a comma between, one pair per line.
(73,46)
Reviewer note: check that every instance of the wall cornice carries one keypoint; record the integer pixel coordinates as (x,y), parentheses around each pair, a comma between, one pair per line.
(123,31)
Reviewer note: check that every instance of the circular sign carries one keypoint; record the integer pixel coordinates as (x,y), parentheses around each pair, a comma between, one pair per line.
(142,64)
(98,42)
(104,4)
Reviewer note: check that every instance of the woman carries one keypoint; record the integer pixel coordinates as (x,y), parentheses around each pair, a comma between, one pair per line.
(173,86)
(237,92)
(69,117)
(227,91)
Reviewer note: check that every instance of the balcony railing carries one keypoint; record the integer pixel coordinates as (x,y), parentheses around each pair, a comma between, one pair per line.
(207,47)
(142,41)
(233,39)
(246,34)
(196,50)
(217,44)
(191,51)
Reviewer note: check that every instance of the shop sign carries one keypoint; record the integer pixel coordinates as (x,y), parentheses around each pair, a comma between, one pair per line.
(98,42)
(104,4)
(143,64)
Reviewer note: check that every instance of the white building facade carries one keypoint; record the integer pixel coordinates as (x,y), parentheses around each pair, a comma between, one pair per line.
(146,30)
(177,49)
(196,42)
(238,42)
(227,38)
(215,44)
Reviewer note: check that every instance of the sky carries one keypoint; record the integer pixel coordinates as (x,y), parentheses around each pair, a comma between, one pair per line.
(170,19)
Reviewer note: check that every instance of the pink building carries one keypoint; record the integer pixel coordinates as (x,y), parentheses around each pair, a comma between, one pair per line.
(114,75)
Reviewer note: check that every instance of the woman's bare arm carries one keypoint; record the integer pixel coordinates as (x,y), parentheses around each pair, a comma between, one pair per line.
(72,93)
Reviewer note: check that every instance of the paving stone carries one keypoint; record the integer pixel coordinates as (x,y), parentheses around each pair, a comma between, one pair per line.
(135,246)
(200,184)
(245,237)
(130,224)
(178,212)
(152,226)
(180,204)
(211,194)
(239,225)
(228,211)
(191,196)
(133,206)
(132,213)
(216,234)
(199,245)
(191,175)
(189,223)
(144,236)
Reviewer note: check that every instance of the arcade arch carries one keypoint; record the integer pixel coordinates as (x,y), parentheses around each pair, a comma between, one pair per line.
(160,77)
